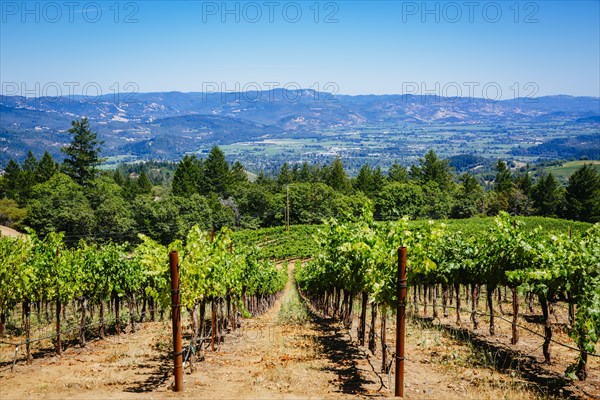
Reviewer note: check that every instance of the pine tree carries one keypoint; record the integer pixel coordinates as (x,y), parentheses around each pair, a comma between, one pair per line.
(12,180)
(238,174)
(119,178)
(285,175)
(216,172)
(30,164)
(83,154)
(470,197)
(503,182)
(336,176)
(547,195)
(397,173)
(378,181)
(364,180)
(144,185)
(524,183)
(304,173)
(583,194)
(433,169)
(28,179)
(187,178)
(46,168)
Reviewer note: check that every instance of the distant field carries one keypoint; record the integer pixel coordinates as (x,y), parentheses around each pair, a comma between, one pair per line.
(567,169)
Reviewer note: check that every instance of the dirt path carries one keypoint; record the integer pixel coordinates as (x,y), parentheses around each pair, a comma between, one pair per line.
(278,358)
(285,353)
(280,354)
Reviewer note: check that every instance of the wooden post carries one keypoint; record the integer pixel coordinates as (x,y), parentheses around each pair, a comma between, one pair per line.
(287,208)
(117,315)
(58,338)
(383,339)
(489,295)
(82,326)
(102,319)
(400,322)
(27,313)
(474,299)
(212,325)
(363,318)
(176,314)
(515,332)
(547,328)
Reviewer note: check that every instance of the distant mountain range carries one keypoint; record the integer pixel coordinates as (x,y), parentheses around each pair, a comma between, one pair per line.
(166,125)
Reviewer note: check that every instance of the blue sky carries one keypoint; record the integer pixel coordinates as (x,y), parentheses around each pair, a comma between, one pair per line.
(479,48)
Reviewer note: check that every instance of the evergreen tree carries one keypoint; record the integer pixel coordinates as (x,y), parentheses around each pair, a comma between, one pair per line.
(83,154)
(364,179)
(216,172)
(285,175)
(524,183)
(238,174)
(46,168)
(583,194)
(503,182)
(304,173)
(547,195)
(378,181)
(433,169)
(397,173)
(119,178)
(187,178)
(30,164)
(28,178)
(12,180)
(469,197)
(295,170)
(470,186)
(143,183)
(369,181)
(337,178)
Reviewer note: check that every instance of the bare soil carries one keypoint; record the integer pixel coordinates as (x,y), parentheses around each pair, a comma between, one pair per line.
(6,231)
(269,357)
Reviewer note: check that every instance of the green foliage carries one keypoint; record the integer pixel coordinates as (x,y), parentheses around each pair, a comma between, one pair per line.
(369,181)
(470,198)
(309,202)
(10,213)
(238,175)
(583,195)
(503,181)
(336,176)
(34,269)
(216,178)
(361,256)
(548,196)
(276,243)
(46,168)
(188,177)
(285,176)
(143,183)
(60,205)
(433,169)
(397,173)
(83,153)
(400,199)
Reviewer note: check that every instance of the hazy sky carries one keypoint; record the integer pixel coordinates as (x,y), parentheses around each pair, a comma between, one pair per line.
(483,49)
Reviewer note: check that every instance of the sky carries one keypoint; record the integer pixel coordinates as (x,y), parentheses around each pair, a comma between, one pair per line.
(496,50)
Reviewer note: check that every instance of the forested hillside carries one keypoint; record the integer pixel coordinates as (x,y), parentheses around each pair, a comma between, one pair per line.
(165,200)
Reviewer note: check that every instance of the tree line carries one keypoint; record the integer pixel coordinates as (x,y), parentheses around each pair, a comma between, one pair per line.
(164,201)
